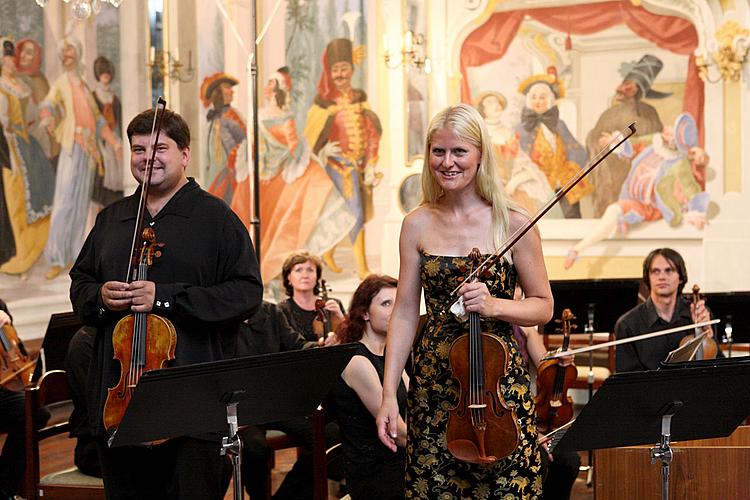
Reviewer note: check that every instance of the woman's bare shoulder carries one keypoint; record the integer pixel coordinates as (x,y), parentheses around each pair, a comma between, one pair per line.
(516,220)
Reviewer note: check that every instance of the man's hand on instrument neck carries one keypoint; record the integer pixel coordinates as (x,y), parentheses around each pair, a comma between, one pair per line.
(699,314)
(144,293)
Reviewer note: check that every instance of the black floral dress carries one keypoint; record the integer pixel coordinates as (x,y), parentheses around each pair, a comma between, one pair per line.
(432,472)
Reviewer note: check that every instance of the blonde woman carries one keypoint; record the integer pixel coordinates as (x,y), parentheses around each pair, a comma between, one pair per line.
(463,207)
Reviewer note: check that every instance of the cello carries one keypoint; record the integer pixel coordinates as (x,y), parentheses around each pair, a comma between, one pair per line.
(482,429)
(141,341)
(554,407)
(16,368)
(708,348)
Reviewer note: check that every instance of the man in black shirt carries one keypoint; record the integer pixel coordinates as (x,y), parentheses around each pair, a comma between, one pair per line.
(205,281)
(665,275)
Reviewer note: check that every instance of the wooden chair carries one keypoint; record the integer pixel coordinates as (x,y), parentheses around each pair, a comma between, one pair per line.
(277,440)
(52,391)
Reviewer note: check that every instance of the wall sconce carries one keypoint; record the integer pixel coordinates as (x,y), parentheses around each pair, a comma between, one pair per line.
(413,52)
(727,55)
(164,64)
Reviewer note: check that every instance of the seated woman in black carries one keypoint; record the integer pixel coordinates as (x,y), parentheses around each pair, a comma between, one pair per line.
(301,273)
(372,470)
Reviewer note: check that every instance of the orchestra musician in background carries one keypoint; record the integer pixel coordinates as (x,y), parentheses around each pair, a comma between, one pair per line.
(301,274)
(205,285)
(12,419)
(372,471)
(665,276)
(560,469)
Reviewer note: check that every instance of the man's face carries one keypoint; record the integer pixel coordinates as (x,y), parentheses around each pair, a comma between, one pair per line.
(227,93)
(169,164)
(69,56)
(539,98)
(663,277)
(626,90)
(341,74)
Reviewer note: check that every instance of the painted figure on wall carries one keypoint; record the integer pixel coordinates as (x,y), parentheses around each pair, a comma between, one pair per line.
(300,206)
(345,133)
(627,107)
(545,138)
(29,68)
(28,178)
(225,171)
(79,160)
(109,187)
(667,181)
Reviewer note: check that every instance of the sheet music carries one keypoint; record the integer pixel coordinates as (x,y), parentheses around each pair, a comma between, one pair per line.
(687,351)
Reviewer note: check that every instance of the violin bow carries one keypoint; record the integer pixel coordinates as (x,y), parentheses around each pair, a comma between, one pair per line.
(629,339)
(614,143)
(150,158)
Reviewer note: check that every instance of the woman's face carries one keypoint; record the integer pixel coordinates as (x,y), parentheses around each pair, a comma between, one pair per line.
(105,79)
(9,65)
(269,88)
(303,277)
(26,57)
(539,98)
(454,161)
(379,313)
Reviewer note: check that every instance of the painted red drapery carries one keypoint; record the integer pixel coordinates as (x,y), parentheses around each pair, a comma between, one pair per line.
(491,40)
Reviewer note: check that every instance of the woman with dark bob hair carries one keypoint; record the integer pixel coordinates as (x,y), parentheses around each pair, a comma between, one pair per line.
(372,470)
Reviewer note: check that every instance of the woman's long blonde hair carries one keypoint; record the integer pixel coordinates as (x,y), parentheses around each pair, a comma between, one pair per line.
(469,125)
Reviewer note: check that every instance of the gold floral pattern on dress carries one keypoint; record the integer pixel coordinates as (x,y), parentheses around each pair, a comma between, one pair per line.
(432,472)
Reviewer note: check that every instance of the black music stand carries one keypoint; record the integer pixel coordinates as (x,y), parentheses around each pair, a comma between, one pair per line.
(60,329)
(219,396)
(696,400)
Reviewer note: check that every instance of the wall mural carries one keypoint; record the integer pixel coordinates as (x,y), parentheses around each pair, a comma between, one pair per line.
(544,131)
(59,167)
(319,139)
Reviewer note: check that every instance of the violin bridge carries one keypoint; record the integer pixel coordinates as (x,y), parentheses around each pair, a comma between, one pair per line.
(478,407)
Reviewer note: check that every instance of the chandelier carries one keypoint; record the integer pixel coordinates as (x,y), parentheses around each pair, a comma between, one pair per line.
(83,9)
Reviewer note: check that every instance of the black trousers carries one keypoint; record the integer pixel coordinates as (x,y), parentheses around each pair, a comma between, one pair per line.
(298,482)
(13,456)
(560,474)
(182,468)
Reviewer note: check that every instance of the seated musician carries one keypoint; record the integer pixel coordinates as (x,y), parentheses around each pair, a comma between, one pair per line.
(665,276)
(560,467)
(268,331)
(301,274)
(204,281)
(12,419)
(372,470)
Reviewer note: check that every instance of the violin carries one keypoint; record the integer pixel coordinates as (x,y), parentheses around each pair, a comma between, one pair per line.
(324,323)
(481,428)
(141,341)
(554,407)
(708,348)
(16,368)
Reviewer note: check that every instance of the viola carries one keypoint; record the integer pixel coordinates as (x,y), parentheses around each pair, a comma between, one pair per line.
(708,348)
(324,323)
(141,341)
(481,428)
(16,368)
(554,407)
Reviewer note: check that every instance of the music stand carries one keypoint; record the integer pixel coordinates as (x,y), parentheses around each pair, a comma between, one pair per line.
(60,330)
(219,396)
(679,403)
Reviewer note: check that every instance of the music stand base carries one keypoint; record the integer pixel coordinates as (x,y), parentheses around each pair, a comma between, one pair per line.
(232,445)
(663,452)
